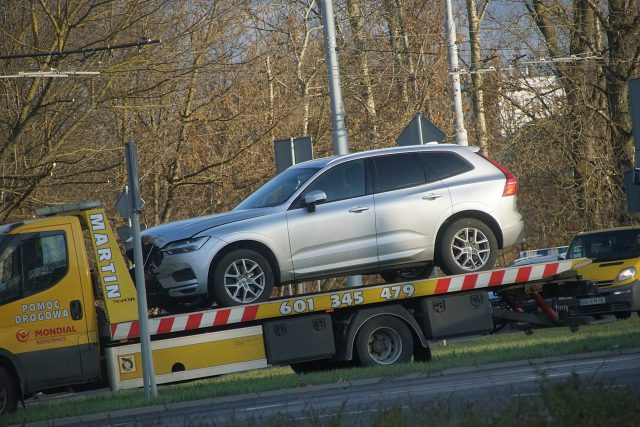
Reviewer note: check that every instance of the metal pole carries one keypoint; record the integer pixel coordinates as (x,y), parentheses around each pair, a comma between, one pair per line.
(339,134)
(135,206)
(461,132)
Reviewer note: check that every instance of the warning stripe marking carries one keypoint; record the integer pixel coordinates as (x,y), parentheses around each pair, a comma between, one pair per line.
(247,313)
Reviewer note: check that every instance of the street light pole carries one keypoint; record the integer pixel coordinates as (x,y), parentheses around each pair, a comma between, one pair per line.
(454,72)
(339,133)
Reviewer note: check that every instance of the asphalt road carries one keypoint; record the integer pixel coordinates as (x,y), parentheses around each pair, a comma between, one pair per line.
(487,387)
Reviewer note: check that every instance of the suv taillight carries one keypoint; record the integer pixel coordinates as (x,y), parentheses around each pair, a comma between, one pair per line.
(511,185)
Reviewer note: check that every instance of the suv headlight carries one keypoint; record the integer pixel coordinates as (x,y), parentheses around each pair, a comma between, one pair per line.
(186,245)
(626,274)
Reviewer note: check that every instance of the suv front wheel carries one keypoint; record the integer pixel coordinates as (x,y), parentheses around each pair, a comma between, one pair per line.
(467,245)
(241,277)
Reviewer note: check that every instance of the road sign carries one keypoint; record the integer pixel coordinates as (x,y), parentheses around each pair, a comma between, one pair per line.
(122,204)
(420,131)
(291,151)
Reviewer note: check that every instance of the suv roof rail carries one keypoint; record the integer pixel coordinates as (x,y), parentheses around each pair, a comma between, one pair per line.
(69,207)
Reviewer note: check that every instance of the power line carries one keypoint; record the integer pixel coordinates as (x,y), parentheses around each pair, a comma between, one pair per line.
(83,51)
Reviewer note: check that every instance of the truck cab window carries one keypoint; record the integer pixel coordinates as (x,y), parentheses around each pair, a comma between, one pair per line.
(32,264)
(45,262)
(10,274)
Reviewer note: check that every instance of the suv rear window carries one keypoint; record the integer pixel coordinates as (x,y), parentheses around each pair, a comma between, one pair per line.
(445,165)
(394,172)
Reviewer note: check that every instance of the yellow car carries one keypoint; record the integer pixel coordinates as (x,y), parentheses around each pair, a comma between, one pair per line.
(615,269)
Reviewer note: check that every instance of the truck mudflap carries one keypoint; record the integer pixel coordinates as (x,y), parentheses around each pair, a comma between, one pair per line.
(189,357)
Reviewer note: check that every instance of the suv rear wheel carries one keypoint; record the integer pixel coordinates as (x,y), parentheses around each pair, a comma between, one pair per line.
(467,245)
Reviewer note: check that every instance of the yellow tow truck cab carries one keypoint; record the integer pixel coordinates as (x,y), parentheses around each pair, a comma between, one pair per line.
(68,308)
(49,323)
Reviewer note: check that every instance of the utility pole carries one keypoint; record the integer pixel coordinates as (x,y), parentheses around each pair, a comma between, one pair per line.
(339,133)
(454,72)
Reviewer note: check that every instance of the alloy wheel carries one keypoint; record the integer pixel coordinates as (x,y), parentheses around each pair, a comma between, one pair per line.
(244,280)
(470,249)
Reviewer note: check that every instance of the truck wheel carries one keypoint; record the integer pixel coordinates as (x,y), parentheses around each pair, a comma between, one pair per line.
(407,274)
(384,340)
(241,277)
(8,393)
(467,245)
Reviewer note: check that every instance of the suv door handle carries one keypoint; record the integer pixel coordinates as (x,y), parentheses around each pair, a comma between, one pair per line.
(359,209)
(431,196)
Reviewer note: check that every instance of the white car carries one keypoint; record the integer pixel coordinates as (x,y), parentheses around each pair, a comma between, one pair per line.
(394,211)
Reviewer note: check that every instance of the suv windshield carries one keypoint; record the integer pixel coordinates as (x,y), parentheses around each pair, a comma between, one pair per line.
(278,189)
(607,245)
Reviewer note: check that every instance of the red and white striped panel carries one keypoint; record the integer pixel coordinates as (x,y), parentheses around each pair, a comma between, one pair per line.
(186,322)
(500,277)
(227,316)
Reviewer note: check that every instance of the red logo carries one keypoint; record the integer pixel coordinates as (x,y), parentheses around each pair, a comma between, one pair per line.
(22,335)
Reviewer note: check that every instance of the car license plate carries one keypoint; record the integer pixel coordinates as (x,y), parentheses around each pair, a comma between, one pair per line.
(592,301)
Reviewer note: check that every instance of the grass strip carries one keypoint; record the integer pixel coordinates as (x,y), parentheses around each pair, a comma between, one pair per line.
(457,353)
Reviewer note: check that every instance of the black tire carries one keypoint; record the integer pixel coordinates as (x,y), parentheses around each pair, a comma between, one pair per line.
(621,315)
(242,277)
(466,246)
(407,274)
(8,393)
(383,340)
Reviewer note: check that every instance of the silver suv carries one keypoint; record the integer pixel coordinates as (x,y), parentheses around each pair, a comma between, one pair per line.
(394,211)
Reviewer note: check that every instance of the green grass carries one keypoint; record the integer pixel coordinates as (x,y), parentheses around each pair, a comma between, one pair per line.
(569,404)
(459,353)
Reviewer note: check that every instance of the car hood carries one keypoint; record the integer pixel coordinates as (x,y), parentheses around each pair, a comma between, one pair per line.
(183,229)
(604,272)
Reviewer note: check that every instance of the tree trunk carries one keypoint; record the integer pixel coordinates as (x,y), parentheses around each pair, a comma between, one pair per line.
(394,39)
(356,20)
(477,94)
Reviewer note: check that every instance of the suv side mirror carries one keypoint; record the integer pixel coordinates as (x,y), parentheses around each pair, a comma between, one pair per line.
(562,256)
(314,198)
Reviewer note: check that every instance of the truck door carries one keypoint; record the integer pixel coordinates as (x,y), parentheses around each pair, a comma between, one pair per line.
(43,320)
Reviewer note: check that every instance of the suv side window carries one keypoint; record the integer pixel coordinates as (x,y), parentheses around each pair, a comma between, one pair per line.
(445,164)
(32,263)
(397,171)
(341,182)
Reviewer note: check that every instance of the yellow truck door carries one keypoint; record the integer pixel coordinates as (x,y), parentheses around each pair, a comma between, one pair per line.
(47,317)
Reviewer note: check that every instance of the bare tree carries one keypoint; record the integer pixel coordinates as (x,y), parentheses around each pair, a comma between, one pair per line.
(356,21)
(477,94)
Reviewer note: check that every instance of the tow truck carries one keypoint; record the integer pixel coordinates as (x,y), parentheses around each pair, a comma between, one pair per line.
(68,314)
